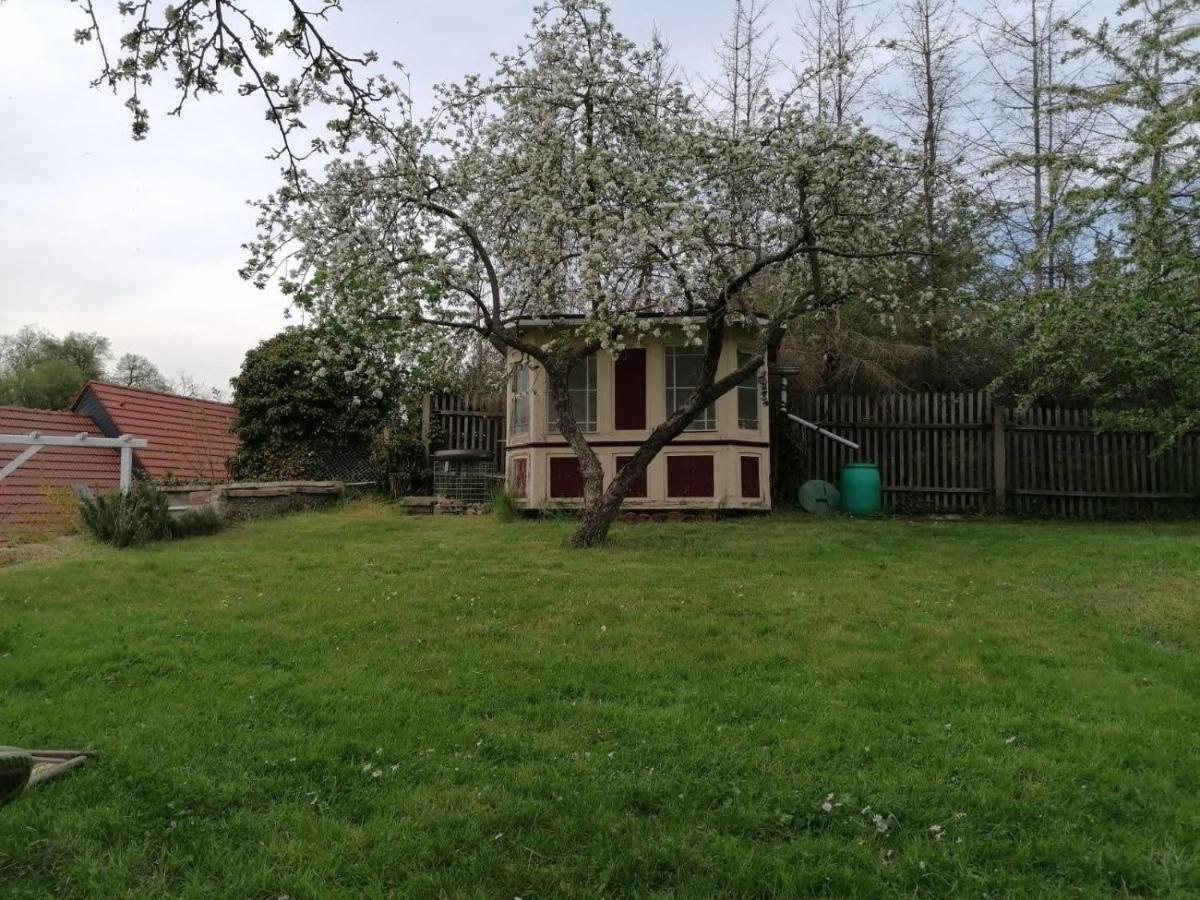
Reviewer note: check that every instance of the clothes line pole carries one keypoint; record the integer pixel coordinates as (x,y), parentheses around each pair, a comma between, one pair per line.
(821,431)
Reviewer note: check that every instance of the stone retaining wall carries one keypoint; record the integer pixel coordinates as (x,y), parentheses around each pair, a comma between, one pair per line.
(252,500)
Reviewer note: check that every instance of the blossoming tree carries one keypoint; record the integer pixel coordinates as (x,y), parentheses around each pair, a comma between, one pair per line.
(202,45)
(584,178)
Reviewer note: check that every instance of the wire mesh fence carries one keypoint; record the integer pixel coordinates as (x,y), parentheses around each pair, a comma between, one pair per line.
(471,482)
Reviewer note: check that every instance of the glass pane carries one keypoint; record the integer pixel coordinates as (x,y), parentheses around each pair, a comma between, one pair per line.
(583,375)
(706,419)
(581,387)
(688,364)
(520,402)
(747,396)
(579,407)
(684,365)
(742,359)
(747,407)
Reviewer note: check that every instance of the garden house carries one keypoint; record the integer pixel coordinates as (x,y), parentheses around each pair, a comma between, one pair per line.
(721,461)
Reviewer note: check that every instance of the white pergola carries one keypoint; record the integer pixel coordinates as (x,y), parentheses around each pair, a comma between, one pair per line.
(35,441)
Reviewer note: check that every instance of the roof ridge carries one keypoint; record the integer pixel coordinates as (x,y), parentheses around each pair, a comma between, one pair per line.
(93,382)
(38,409)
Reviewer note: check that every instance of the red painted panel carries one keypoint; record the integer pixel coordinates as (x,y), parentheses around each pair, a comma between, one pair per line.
(690,476)
(518,476)
(565,478)
(629,390)
(638,488)
(750,485)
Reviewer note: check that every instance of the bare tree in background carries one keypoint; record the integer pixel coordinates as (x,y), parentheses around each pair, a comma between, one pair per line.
(187,385)
(1030,144)
(928,51)
(1124,330)
(839,55)
(747,61)
(134,370)
(833,72)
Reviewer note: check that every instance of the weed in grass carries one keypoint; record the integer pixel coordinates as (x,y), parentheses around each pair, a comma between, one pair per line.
(504,505)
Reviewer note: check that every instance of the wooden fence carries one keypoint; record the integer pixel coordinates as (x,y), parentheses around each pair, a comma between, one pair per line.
(464,422)
(960,452)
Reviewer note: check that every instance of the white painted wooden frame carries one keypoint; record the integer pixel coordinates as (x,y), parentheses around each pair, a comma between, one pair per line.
(35,441)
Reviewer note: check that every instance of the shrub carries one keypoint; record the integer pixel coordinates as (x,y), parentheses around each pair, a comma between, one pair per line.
(504,505)
(399,454)
(141,517)
(295,424)
(123,520)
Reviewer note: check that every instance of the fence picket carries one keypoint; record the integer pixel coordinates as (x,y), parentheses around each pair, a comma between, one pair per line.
(935,452)
(468,422)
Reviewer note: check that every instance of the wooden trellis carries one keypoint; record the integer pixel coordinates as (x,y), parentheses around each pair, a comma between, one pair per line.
(35,441)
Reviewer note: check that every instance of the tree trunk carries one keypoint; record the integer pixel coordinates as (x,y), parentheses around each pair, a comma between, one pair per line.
(557,374)
(601,506)
(930,149)
(595,519)
(1035,59)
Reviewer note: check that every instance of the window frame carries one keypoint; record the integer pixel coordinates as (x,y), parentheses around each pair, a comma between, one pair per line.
(521,396)
(706,420)
(590,393)
(749,386)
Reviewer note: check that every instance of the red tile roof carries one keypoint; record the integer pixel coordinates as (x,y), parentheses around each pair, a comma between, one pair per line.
(37,497)
(188,439)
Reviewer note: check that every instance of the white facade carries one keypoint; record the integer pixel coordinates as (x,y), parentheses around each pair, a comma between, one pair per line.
(721,462)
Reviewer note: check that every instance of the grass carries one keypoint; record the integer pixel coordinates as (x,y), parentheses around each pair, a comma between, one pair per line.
(362,704)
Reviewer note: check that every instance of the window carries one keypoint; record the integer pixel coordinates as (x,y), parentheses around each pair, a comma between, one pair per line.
(747,396)
(684,365)
(581,386)
(519,423)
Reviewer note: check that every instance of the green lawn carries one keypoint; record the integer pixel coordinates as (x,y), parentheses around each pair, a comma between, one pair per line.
(363,704)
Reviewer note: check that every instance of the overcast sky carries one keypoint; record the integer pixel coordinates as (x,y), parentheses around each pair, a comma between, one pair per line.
(142,241)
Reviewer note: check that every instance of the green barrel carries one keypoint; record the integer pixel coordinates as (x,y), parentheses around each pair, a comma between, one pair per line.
(861,489)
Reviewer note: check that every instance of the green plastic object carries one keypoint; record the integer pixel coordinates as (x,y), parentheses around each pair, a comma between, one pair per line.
(861,489)
(15,768)
(818,497)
